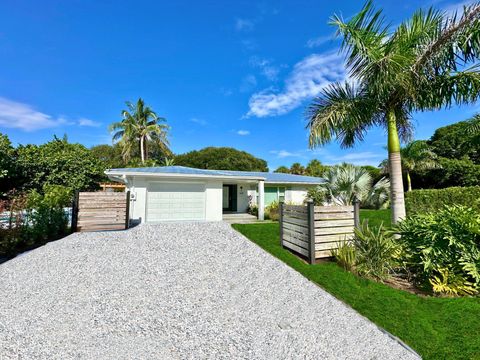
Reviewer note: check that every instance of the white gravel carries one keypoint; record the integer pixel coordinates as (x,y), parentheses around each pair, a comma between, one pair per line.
(174,291)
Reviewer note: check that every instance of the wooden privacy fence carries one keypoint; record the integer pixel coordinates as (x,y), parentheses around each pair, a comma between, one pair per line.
(314,231)
(96,211)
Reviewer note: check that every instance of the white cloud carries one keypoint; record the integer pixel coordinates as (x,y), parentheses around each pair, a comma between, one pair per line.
(88,122)
(269,70)
(23,116)
(249,82)
(314,42)
(243,132)
(451,8)
(284,153)
(198,121)
(244,25)
(306,81)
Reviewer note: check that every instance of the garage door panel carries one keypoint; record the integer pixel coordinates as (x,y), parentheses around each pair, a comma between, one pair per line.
(176,202)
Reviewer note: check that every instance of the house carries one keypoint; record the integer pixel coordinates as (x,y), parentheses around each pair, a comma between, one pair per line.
(182,193)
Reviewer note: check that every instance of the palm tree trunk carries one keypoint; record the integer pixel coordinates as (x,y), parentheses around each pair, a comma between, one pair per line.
(409,181)
(395,167)
(142,152)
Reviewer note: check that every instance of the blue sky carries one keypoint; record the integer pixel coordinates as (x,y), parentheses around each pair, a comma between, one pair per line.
(223,73)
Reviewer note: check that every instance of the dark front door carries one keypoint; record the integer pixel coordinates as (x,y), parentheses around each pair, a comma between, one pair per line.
(229,197)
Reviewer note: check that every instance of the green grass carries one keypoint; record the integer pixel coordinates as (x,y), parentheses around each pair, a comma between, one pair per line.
(376,217)
(437,328)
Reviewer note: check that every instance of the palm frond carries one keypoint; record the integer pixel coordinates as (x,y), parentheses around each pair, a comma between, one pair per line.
(342,111)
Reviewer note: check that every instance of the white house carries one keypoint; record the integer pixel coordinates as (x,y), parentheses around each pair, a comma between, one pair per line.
(182,193)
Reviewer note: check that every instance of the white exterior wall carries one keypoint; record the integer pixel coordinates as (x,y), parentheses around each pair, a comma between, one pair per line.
(296,195)
(139,186)
(242,197)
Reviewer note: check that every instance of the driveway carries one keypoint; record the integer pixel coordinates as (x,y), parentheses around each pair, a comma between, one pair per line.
(174,291)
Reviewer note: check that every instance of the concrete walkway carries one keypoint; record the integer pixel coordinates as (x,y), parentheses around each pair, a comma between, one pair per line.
(174,291)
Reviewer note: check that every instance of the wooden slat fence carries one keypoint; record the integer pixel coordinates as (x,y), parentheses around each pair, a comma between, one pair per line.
(314,231)
(97,211)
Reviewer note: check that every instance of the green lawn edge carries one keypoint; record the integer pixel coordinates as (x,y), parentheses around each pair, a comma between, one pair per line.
(436,328)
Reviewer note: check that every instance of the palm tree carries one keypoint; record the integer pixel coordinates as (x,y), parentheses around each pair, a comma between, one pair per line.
(422,65)
(416,155)
(297,169)
(139,126)
(343,183)
(473,127)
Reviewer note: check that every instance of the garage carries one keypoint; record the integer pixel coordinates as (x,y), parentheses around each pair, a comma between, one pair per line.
(175,201)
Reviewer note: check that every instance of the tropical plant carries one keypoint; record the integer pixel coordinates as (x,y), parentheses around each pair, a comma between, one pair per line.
(345,255)
(272,211)
(416,155)
(343,183)
(315,168)
(422,65)
(473,127)
(378,196)
(168,161)
(376,251)
(282,169)
(297,169)
(442,249)
(140,126)
(221,158)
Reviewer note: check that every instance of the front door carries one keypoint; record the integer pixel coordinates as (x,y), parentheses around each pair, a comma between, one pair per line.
(229,198)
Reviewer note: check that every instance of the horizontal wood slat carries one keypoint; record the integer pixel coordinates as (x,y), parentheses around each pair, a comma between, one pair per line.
(334,216)
(101,211)
(295,221)
(296,248)
(329,238)
(328,245)
(333,223)
(300,229)
(330,226)
(333,209)
(334,230)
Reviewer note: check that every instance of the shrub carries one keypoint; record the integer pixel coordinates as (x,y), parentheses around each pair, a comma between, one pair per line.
(272,211)
(252,209)
(442,249)
(376,251)
(425,201)
(345,255)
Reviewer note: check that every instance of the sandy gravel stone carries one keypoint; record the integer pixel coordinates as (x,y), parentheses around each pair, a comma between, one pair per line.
(174,291)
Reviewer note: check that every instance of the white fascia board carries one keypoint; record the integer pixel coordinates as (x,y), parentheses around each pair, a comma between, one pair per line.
(176,176)
(290,183)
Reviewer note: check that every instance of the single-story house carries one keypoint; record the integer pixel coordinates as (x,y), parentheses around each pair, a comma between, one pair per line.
(182,193)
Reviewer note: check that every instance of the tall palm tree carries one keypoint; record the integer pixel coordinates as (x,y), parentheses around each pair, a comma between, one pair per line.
(416,155)
(422,65)
(139,126)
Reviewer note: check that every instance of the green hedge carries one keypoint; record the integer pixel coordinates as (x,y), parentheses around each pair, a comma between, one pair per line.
(425,201)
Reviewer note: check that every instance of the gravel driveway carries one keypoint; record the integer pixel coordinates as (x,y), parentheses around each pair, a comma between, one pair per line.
(174,291)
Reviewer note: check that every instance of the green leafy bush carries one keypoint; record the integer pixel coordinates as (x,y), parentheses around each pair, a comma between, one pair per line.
(345,255)
(442,249)
(431,200)
(372,253)
(35,218)
(376,251)
(272,211)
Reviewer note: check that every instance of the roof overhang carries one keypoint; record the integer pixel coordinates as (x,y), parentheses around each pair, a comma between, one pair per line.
(122,176)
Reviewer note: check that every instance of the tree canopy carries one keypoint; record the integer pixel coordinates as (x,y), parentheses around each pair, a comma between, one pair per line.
(221,158)
(455,142)
(58,162)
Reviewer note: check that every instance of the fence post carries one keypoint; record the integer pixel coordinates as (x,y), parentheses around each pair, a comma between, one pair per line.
(280,221)
(73,227)
(127,211)
(311,230)
(356,213)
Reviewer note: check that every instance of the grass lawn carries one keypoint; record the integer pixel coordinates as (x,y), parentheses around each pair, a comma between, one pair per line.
(437,328)
(376,217)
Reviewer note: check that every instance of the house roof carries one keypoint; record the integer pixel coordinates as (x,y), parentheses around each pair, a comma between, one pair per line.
(182,171)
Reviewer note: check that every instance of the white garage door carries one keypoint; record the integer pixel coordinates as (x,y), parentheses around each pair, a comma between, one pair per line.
(175,202)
